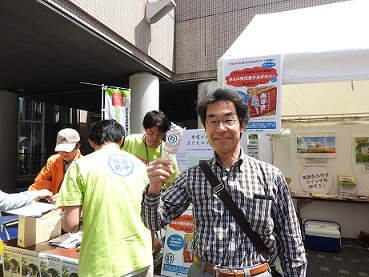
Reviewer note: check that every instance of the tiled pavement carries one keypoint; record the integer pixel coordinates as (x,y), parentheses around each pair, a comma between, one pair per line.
(351,261)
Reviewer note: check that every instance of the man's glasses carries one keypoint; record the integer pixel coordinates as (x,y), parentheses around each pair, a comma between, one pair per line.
(213,123)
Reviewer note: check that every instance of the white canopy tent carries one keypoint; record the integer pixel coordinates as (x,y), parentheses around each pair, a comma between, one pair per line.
(325,52)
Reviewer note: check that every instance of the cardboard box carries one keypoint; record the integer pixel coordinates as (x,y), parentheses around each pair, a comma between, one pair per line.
(322,235)
(33,230)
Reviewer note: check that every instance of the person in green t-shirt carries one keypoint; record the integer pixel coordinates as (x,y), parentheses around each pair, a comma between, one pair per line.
(108,184)
(149,146)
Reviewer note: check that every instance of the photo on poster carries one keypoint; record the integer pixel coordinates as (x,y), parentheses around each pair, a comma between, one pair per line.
(69,267)
(50,265)
(11,261)
(253,139)
(316,145)
(30,265)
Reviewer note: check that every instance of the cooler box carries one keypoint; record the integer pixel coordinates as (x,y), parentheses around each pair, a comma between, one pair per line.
(321,235)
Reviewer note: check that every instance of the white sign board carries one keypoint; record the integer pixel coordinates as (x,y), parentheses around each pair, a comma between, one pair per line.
(194,148)
(316,179)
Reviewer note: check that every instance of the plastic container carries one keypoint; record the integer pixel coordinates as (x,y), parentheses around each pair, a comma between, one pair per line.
(322,235)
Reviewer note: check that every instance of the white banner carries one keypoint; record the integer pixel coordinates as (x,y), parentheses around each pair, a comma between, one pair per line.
(118,105)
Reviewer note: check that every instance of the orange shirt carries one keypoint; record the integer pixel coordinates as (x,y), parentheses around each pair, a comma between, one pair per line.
(51,175)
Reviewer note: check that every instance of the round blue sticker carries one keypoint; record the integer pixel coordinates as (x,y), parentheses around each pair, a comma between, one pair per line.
(172,138)
(175,242)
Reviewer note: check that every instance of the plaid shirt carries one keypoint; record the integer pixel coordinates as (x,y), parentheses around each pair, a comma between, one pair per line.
(218,239)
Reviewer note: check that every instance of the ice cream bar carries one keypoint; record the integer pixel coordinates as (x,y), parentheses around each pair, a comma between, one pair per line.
(174,137)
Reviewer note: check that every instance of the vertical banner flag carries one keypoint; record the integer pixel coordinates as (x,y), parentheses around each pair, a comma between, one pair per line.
(259,81)
(118,105)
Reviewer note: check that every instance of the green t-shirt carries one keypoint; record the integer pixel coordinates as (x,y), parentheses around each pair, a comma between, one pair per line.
(108,183)
(135,145)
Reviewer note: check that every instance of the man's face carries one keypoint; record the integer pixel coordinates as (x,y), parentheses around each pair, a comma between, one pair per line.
(68,157)
(223,127)
(153,136)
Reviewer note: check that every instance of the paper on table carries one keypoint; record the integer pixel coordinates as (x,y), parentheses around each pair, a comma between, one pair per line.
(67,240)
(35,209)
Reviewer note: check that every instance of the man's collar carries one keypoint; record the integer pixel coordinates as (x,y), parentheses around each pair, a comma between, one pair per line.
(217,162)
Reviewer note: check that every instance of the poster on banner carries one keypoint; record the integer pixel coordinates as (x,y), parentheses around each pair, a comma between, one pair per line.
(178,253)
(259,81)
(118,105)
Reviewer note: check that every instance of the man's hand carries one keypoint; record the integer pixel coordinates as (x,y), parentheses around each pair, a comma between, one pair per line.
(156,246)
(43,193)
(159,171)
(53,198)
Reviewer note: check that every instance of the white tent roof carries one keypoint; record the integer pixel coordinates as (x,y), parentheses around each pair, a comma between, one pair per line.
(321,44)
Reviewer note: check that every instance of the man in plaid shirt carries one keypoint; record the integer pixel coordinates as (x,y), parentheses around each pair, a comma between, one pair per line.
(259,189)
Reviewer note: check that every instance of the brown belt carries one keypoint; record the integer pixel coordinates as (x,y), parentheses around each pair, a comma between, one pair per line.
(235,273)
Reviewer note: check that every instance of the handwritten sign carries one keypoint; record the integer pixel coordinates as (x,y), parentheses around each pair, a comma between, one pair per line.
(316,179)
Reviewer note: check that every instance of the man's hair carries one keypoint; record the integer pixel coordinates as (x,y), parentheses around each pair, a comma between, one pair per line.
(156,118)
(106,131)
(226,95)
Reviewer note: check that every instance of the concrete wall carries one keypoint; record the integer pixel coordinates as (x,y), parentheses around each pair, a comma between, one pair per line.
(124,24)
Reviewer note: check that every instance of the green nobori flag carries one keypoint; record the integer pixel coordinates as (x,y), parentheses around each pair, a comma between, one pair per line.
(118,105)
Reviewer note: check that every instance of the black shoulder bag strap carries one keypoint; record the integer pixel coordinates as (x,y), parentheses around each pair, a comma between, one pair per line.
(235,211)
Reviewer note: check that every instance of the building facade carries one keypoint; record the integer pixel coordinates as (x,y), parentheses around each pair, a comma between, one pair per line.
(179,53)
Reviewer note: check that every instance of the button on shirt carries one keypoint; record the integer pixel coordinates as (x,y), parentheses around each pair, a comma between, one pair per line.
(218,239)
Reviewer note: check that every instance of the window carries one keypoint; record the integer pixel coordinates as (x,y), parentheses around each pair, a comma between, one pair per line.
(39,124)
(30,134)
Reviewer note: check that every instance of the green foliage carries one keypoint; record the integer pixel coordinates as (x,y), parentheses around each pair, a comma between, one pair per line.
(360,143)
